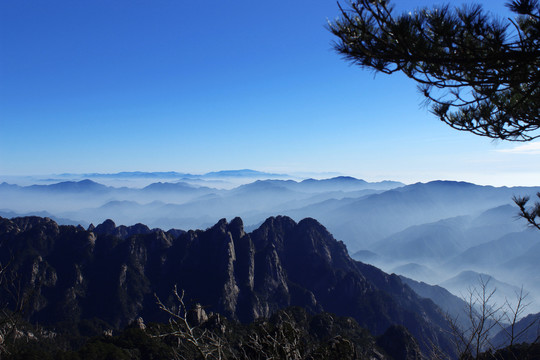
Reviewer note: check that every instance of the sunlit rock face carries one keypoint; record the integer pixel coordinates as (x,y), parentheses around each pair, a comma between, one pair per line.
(112,273)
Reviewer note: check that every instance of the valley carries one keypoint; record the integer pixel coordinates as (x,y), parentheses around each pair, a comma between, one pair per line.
(444,239)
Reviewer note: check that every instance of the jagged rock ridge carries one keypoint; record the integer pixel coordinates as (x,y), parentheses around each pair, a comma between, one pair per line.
(112,273)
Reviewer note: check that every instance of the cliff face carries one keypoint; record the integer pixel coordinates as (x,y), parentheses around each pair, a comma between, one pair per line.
(68,273)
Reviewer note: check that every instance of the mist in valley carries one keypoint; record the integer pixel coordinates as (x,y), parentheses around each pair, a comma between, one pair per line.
(451,234)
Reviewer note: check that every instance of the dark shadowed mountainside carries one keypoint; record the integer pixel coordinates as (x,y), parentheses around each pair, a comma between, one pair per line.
(526,330)
(111,273)
(454,307)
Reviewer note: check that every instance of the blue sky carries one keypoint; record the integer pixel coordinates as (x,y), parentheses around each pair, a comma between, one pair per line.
(197,86)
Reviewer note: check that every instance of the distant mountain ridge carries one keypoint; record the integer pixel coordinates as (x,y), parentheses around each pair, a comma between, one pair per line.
(243,173)
(175,175)
(356,211)
(336,183)
(85,185)
(184,204)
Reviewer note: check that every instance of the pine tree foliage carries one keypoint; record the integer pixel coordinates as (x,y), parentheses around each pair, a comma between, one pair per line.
(479,73)
(532,213)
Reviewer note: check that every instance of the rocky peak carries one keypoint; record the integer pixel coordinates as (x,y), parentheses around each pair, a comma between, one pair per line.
(175,233)
(106,228)
(124,232)
(32,222)
(8,227)
(273,231)
(220,226)
(236,228)
(307,242)
(160,240)
(196,315)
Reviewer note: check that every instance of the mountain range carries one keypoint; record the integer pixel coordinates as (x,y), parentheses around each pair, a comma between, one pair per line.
(429,232)
(68,274)
(178,204)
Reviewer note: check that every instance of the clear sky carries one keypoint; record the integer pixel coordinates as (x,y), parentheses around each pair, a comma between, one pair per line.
(196,86)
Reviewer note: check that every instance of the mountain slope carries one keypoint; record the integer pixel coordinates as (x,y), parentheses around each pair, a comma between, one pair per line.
(492,254)
(468,282)
(429,241)
(452,305)
(525,330)
(364,221)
